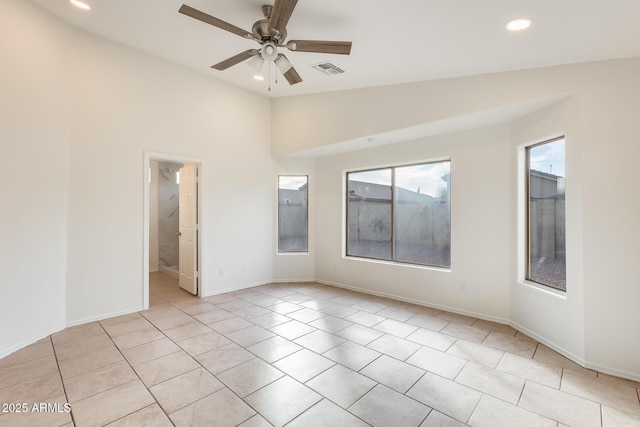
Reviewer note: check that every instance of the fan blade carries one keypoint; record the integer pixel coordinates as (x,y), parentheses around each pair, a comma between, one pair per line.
(280,14)
(287,70)
(318,46)
(201,16)
(235,59)
(292,76)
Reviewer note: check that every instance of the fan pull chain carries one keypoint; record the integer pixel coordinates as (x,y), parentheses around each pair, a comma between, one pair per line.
(269,75)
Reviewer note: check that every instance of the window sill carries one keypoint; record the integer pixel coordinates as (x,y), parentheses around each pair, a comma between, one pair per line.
(292,253)
(397,264)
(545,289)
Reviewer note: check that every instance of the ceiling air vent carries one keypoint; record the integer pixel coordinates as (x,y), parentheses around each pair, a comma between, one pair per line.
(328,68)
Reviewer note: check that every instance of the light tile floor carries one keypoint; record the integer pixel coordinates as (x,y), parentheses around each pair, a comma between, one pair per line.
(301,354)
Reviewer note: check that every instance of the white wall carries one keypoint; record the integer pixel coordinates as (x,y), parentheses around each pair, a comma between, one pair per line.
(602,219)
(124,103)
(478,282)
(592,322)
(611,213)
(78,114)
(308,122)
(34,142)
(72,101)
(554,318)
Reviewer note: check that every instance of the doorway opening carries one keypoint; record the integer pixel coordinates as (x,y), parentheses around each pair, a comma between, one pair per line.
(172,220)
(164,214)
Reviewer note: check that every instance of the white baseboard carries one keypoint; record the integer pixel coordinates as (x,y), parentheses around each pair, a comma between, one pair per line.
(22,344)
(58,328)
(103,316)
(298,280)
(608,370)
(634,376)
(542,340)
(236,288)
(419,302)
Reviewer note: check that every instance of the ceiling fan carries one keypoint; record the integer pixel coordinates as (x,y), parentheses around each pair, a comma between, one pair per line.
(270,33)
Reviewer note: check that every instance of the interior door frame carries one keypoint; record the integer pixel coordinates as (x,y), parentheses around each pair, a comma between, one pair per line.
(164,157)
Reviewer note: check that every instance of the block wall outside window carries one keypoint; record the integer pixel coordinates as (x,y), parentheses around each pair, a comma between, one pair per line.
(293,214)
(401,214)
(546,245)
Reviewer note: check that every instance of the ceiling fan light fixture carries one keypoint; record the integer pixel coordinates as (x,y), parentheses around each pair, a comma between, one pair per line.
(258,77)
(80,4)
(256,63)
(283,64)
(269,51)
(518,24)
(270,33)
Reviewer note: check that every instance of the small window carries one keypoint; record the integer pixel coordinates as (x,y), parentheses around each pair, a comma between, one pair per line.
(293,218)
(401,214)
(546,249)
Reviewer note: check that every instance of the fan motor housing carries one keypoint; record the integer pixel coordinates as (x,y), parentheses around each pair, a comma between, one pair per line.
(261,31)
(261,28)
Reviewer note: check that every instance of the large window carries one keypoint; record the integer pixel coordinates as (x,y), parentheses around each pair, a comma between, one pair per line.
(293,219)
(546,214)
(401,214)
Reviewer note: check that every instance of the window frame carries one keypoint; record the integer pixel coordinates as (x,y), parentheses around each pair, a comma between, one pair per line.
(278,249)
(392,259)
(527,218)
(346,231)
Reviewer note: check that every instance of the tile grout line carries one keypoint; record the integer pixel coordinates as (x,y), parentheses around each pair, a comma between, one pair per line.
(304,384)
(138,376)
(203,367)
(64,388)
(21,363)
(475,408)
(317,403)
(214,375)
(601,415)
(562,375)
(200,365)
(170,339)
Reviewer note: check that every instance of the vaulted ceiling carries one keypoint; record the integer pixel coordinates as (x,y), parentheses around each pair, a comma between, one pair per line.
(393,42)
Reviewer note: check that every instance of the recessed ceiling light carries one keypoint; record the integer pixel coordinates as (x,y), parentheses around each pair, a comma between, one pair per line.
(518,24)
(80,4)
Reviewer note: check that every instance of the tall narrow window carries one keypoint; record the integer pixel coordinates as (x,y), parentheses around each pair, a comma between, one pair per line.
(401,214)
(293,218)
(546,262)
